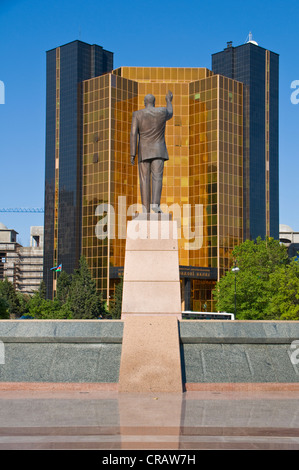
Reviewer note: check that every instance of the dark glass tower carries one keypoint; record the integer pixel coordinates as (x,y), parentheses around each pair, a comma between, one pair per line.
(67,67)
(258,69)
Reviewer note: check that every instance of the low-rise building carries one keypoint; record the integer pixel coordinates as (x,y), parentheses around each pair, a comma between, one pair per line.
(23,266)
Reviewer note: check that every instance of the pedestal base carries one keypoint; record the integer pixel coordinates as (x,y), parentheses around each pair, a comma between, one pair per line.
(150,360)
(151,271)
(151,307)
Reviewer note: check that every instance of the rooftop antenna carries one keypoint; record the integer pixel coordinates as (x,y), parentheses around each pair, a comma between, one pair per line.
(250,39)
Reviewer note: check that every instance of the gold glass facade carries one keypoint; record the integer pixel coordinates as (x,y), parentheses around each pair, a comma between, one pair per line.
(202,296)
(216,168)
(230,170)
(202,182)
(108,177)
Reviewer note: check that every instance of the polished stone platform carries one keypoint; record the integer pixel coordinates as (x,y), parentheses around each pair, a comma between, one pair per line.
(113,421)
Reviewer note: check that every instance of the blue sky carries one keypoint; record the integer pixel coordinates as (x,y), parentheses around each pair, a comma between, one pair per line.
(152,33)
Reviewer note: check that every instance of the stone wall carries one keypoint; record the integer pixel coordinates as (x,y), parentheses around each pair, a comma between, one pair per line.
(48,351)
(239,351)
(61,351)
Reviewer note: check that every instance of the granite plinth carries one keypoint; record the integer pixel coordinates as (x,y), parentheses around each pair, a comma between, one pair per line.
(152,216)
(151,307)
(150,359)
(151,270)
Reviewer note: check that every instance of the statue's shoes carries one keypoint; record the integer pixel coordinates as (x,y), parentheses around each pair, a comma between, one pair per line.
(156,209)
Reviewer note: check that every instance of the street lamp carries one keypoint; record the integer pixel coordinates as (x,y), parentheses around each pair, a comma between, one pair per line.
(235,270)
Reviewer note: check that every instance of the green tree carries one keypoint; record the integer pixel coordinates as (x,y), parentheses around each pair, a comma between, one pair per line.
(284,286)
(257,261)
(45,309)
(261,256)
(115,308)
(8,293)
(42,289)
(64,282)
(84,300)
(4,315)
(24,300)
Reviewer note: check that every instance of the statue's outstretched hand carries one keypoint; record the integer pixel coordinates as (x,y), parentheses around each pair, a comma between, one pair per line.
(169,96)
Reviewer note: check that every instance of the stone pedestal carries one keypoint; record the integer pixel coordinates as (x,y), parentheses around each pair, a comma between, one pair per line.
(150,357)
(151,307)
(151,271)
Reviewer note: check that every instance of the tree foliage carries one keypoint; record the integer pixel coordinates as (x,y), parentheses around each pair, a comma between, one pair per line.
(45,309)
(284,285)
(266,282)
(64,282)
(11,298)
(3,309)
(77,298)
(42,290)
(116,303)
(83,299)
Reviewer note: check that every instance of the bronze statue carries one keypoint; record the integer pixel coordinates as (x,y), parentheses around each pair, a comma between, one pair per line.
(149,123)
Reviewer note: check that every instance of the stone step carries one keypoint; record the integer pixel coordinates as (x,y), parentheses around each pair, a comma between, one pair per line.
(148,438)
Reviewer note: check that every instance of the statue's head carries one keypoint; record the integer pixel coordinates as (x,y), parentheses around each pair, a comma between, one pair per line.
(149,100)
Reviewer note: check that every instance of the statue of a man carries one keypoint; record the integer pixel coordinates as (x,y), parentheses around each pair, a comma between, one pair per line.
(149,123)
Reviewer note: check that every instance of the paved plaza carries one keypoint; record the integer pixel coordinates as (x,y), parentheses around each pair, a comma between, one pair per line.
(109,420)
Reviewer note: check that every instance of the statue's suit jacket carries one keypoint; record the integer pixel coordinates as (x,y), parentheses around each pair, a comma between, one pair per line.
(149,123)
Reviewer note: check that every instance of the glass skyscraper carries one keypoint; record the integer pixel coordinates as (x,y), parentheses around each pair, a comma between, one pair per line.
(258,69)
(205,169)
(67,67)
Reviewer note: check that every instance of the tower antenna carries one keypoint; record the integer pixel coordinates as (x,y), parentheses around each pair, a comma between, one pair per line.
(250,39)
